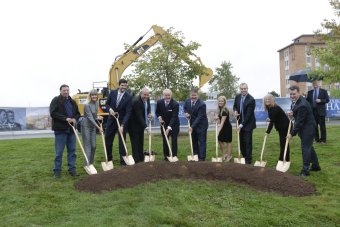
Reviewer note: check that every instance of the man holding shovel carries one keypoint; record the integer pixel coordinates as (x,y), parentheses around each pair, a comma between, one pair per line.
(167,113)
(196,110)
(304,126)
(244,106)
(64,111)
(118,102)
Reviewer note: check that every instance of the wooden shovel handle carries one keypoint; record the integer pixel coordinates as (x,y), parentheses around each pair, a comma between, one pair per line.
(287,141)
(80,144)
(167,140)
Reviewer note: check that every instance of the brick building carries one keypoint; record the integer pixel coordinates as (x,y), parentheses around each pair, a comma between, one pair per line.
(294,57)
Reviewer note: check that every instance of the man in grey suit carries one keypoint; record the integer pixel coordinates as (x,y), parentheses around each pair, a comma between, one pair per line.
(304,126)
(318,98)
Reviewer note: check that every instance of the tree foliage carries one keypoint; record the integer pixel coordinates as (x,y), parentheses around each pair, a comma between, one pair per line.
(329,56)
(224,82)
(167,65)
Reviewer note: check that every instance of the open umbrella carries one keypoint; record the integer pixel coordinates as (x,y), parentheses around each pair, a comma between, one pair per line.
(304,75)
(300,76)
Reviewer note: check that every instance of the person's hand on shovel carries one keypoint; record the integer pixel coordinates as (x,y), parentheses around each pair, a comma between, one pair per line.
(112,112)
(289,136)
(160,119)
(71,121)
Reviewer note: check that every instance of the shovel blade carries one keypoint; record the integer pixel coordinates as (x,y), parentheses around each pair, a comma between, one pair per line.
(260,163)
(217,159)
(172,159)
(149,158)
(282,166)
(193,158)
(107,166)
(129,160)
(240,160)
(90,169)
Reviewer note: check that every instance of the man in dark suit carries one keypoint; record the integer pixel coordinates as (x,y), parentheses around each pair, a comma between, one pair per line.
(318,98)
(196,110)
(118,102)
(244,107)
(304,126)
(138,122)
(167,113)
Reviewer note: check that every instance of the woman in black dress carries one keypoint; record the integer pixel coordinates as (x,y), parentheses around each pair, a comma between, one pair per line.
(225,129)
(279,119)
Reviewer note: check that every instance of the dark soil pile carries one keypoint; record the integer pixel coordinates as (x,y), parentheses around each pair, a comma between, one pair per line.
(263,179)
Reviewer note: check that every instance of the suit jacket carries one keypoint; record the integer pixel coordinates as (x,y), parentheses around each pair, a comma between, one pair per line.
(278,118)
(198,115)
(123,109)
(169,114)
(249,121)
(304,119)
(137,118)
(321,106)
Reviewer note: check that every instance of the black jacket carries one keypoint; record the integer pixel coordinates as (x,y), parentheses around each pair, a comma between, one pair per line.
(321,106)
(137,117)
(304,120)
(59,115)
(278,118)
(249,121)
(169,114)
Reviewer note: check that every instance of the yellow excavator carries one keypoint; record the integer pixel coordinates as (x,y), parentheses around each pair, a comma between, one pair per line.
(124,60)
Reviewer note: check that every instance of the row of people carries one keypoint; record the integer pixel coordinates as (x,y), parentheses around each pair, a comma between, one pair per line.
(133,114)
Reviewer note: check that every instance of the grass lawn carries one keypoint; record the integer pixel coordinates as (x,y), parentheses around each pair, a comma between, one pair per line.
(31,197)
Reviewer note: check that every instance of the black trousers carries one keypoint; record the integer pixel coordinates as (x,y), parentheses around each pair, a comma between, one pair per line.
(282,138)
(320,122)
(137,144)
(110,133)
(308,152)
(246,145)
(199,143)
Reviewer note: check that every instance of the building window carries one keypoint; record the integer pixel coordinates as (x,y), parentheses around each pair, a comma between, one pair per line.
(308,57)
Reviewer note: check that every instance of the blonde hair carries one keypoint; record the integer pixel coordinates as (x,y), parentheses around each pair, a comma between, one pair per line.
(219,110)
(92,92)
(272,103)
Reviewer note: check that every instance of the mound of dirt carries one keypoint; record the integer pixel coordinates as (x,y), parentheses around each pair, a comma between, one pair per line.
(263,179)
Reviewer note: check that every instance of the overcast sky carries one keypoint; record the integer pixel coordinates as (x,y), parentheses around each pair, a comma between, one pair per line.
(44,43)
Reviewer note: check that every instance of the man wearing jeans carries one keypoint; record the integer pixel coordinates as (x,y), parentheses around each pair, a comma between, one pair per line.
(64,111)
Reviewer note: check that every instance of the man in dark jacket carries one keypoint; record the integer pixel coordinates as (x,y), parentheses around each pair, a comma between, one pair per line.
(244,107)
(119,101)
(167,112)
(318,98)
(304,126)
(64,111)
(196,110)
(140,114)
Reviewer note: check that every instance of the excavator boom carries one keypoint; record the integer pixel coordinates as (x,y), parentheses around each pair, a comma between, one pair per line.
(129,56)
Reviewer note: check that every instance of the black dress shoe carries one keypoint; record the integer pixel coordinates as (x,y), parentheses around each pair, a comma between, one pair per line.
(74,174)
(57,175)
(304,174)
(317,168)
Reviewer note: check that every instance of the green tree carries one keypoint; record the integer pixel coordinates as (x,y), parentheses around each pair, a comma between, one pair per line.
(224,82)
(329,55)
(273,93)
(167,65)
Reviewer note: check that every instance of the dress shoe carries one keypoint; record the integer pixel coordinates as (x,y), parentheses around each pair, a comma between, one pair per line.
(304,174)
(74,174)
(57,175)
(317,168)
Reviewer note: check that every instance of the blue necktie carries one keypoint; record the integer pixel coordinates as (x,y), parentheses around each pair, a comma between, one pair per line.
(315,96)
(241,107)
(146,112)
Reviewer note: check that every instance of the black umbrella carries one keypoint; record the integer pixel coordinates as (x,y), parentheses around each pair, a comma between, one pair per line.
(302,76)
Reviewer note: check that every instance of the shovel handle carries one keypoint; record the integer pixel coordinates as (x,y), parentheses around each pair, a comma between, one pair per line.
(167,140)
(149,137)
(216,135)
(287,141)
(190,138)
(116,116)
(80,144)
(238,138)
